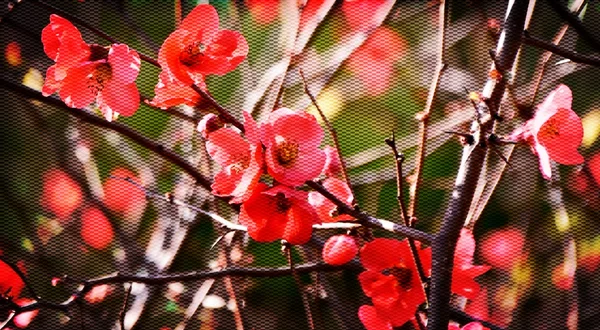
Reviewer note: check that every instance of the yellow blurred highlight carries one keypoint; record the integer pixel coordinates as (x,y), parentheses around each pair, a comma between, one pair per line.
(561,219)
(331,103)
(33,79)
(521,273)
(591,127)
(12,54)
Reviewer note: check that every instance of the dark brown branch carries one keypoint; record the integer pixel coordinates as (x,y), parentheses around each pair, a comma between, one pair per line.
(575,23)
(86,286)
(573,56)
(370,221)
(223,113)
(399,157)
(331,130)
(115,126)
(473,159)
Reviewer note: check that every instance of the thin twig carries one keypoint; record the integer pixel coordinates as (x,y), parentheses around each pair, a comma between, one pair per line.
(124,308)
(399,157)
(575,23)
(370,221)
(223,113)
(288,253)
(473,159)
(331,130)
(424,116)
(11,316)
(571,55)
(85,116)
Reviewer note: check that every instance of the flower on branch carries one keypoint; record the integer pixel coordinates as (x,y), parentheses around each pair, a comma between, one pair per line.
(324,207)
(11,284)
(241,161)
(86,73)
(292,140)
(278,213)
(391,281)
(170,92)
(555,132)
(198,48)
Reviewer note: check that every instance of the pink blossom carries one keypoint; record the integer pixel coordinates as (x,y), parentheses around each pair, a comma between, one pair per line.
(292,140)
(555,132)
(325,207)
(241,160)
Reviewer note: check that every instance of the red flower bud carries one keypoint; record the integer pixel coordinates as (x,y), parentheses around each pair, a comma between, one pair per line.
(339,249)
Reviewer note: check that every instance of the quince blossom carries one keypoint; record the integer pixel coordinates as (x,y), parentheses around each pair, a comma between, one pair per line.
(278,213)
(292,140)
(198,48)
(554,132)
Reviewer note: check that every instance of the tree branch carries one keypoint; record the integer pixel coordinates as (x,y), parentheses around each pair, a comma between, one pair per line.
(575,23)
(444,244)
(573,56)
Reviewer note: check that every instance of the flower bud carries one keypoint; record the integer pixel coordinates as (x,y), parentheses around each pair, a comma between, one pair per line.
(339,249)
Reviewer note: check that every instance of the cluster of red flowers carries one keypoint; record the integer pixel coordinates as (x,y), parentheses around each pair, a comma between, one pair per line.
(392,281)
(286,146)
(84,73)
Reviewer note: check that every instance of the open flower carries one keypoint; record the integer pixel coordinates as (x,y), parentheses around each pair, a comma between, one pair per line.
(278,213)
(64,45)
(241,161)
(391,281)
(10,281)
(555,132)
(324,207)
(198,48)
(170,92)
(111,82)
(292,140)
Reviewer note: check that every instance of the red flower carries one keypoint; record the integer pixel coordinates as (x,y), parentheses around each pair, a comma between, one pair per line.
(333,165)
(594,166)
(371,320)
(64,45)
(122,196)
(396,294)
(241,160)
(209,124)
(12,54)
(324,206)
(469,326)
(355,12)
(111,82)
(292,140)
(503,248)
(339,249)
(278,213)
(170,92)
(464,273)
(61,195)
(563,275)
(10,280)
(198,48)
(555,132)
(373,62)
(96,230)
(263,12)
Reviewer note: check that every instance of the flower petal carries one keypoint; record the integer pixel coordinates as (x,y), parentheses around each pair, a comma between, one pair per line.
(125,63)
(382,253)
(371,320)
(123,99)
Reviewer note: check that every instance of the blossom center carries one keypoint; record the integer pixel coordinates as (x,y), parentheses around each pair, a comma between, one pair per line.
(550,128)
(282,203)
(98,79)
(287,153)
(241,164)
(192,54)
(402,274)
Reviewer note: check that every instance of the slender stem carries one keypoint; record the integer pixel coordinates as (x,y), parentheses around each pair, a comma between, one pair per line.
(298,280)
(87,285)
(411,242)
(370,221)
(225,115)
(424,116)
(473,158)
(331,130)
(124,308)
(115,126)
(573,56)
(575,23)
